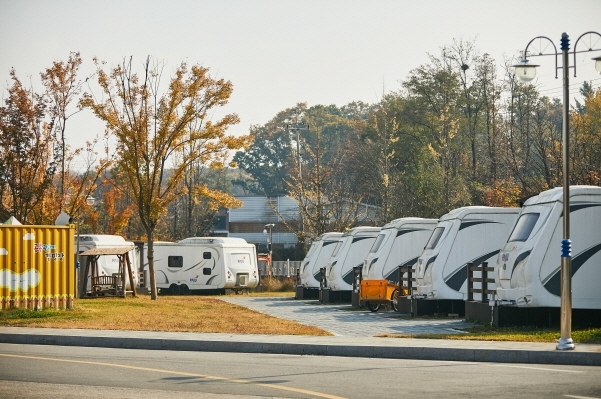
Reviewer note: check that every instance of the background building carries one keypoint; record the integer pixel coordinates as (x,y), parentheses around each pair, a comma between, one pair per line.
(249,220)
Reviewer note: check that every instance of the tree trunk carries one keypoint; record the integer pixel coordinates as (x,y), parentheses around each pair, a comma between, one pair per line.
(153,282)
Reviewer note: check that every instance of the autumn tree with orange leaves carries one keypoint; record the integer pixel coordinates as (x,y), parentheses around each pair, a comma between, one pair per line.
(160,136)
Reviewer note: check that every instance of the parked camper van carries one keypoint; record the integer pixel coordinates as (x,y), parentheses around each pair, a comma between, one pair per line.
(399,244)
(350,251)
(317,257)
(107,264)
(528,269)
(205,263)
(473,234)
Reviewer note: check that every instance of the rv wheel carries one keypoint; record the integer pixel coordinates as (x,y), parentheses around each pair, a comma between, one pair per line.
(174,289)
(184,290)
(395,300)
(374,307)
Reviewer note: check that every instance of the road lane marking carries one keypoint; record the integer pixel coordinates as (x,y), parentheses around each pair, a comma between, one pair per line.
(211,377)
(579,397)
(539,368)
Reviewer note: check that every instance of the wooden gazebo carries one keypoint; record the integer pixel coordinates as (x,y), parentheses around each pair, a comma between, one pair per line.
(107,285)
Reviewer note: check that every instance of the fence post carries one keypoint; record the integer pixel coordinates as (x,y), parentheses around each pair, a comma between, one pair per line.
(400,271)
(470,281)
(357,277)
(322,278)
(484,282)
(297,277)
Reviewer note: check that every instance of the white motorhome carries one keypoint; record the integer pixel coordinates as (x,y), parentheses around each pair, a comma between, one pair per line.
(350,251)
(107,264)
(472,234)
(528,271)
(317,257)
(400,243)
(205,263)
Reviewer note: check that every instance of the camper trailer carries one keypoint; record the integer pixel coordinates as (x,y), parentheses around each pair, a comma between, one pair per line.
(317,257)
(350,251)
(472,234)
(528,272)
(399,244)
(108,265)
(205,264)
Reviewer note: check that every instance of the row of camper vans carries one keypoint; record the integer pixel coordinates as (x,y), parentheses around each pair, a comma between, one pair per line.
(522,244)
(210,264)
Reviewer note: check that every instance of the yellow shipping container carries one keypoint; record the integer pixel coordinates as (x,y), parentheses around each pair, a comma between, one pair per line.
(37,266)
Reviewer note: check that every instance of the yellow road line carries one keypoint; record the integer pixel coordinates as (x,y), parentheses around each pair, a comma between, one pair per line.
(211,377)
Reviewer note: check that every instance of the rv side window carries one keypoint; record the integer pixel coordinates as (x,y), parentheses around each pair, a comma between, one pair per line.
(206,271)
(206,255)
(175,261)
(378,242)
(436,234)
(524,227)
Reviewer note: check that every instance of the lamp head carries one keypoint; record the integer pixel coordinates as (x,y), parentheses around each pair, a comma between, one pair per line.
(525,71)
(597,63)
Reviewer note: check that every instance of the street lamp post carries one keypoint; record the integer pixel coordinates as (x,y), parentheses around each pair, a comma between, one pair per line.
(298,127)
(270,226)
(526,72)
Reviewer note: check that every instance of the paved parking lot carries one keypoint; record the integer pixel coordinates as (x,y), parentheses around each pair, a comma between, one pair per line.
(344,320)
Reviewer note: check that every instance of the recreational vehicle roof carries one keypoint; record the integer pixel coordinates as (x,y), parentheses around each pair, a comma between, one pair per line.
(327,235)
(461,213)
(213,240)
(397,223)
(556,194)
(356,230)
(101,238)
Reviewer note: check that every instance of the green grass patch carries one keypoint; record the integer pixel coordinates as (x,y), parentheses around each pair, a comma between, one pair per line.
(519,334)
(30,314)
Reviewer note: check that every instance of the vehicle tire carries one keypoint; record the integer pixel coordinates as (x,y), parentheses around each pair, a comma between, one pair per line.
(374,307)
(394,300)
(184,289)
(173,289)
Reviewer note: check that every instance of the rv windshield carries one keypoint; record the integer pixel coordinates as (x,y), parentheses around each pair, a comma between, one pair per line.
(436,234)
(378,242)
(337,248)
(524,227)
(311,250)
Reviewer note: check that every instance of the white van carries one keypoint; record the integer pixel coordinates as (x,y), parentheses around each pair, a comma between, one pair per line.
(205,263)
(316,258)
(107,264)
(472,234)
(350,251)
(528,271)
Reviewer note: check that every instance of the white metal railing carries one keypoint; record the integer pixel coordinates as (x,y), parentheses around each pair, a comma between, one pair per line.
(279,268)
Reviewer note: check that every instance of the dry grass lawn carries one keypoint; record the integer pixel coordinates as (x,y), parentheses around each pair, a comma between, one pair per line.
(192,313)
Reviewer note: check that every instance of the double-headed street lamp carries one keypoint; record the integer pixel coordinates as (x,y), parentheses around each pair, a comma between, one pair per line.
(298,127)
(526,72)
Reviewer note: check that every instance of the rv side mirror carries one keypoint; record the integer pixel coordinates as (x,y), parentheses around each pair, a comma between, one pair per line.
(206,255)
(206,271)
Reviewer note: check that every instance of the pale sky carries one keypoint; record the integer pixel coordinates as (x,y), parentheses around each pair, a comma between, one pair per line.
(281,52)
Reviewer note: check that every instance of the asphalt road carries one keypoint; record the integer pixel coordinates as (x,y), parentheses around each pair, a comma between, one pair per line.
(30,371)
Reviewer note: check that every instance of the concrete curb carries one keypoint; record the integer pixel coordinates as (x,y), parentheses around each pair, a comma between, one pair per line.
(239,345)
